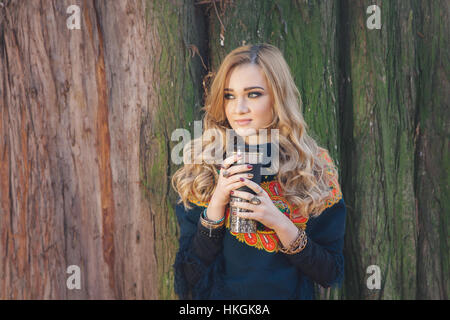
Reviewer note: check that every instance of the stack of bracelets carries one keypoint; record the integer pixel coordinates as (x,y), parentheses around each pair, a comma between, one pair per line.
(298,244)
(210,224)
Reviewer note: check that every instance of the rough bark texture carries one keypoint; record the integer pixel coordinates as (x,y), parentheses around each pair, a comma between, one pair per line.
(180,68)
(70,115)
(382,224)
(86,118)
(432,159)
(396,173)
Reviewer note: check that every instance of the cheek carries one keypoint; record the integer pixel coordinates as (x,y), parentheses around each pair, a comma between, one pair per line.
(264,110)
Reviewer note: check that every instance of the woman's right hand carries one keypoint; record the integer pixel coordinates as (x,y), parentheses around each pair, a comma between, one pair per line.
(221,195)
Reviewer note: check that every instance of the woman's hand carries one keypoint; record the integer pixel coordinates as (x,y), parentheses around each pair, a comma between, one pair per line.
(225,184)
(265,212)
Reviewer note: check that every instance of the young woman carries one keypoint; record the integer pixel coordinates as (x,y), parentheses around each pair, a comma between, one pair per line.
(299,209)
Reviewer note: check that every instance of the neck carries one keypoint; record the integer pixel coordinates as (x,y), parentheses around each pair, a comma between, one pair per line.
(256,140)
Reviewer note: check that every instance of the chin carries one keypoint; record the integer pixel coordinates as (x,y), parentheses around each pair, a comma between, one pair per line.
(246,132)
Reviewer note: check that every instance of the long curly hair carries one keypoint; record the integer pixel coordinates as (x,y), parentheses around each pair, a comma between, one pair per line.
(305,175)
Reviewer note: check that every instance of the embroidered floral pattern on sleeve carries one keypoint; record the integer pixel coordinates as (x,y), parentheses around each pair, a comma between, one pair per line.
(335,188)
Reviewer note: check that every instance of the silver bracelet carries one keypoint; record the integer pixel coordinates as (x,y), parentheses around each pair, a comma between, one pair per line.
(298,244)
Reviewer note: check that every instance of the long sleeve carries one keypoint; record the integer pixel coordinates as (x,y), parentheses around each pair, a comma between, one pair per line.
(322,259)
(206,247)
(197,254)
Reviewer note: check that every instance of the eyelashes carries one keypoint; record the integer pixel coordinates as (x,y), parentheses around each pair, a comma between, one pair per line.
(229,96)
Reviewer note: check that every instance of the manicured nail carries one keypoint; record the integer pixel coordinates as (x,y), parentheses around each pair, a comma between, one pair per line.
(250,175)
(242,179)
(249,166)
(232,192)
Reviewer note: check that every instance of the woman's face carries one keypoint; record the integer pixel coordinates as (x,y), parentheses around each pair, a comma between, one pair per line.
(247,97)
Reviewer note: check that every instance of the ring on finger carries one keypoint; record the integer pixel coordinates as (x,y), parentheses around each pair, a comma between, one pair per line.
(225,173)
(255,200)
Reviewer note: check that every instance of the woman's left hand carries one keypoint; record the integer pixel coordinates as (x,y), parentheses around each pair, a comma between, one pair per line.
(265,212)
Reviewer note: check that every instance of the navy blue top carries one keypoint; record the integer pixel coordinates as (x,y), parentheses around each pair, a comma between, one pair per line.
(224,265)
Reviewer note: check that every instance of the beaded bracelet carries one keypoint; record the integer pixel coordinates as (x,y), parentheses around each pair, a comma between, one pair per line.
(210,224)
(211,221)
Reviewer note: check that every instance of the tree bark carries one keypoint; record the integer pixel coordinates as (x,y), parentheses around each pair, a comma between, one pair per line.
(180,64)
(395,91)
(431,158)
(70,113)
(380,110)
(85,122)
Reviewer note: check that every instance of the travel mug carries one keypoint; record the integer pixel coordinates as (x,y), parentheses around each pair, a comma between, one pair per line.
(238,224)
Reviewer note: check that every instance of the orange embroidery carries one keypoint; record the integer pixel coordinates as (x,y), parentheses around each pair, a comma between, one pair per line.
(336,193)
(198,202)
(268,242)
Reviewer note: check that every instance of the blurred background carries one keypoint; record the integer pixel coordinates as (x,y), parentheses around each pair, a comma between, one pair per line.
(90,96)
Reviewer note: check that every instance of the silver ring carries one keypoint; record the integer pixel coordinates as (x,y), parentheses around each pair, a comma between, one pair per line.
(225,173)
(255,200)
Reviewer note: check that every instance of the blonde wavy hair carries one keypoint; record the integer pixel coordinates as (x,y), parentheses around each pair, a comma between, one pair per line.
(305,175)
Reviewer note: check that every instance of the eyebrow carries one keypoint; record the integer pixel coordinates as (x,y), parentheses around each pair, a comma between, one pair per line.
(245,89)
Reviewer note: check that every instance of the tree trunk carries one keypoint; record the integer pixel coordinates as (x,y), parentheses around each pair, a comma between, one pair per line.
(432,175)
(397,218)
(85,122)
(71,108)
(379,113)
(180,65)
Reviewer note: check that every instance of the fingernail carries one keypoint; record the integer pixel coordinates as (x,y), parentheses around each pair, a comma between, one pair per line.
(249,166)
(232,192)
(250,175)
(242,179)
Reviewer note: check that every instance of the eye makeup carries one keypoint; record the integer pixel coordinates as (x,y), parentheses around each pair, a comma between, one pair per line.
(253,94)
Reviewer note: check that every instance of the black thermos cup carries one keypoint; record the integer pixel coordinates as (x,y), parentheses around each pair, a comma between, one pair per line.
(238,224)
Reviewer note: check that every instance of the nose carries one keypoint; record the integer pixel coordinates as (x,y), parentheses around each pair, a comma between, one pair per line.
(241,106)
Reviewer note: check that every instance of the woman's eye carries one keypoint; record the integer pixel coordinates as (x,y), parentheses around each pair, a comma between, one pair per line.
(229,96)
(254,94)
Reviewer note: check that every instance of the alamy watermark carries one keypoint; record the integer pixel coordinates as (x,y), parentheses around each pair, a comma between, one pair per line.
(74,280)
(374,280)
(374,20)
(74,20)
